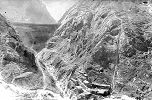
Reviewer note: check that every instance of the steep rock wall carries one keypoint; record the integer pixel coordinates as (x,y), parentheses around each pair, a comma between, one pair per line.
(102,48)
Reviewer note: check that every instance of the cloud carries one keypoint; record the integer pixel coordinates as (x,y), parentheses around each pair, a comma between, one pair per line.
(26,11)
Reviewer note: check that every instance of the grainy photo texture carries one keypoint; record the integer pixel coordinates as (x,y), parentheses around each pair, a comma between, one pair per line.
(76,49)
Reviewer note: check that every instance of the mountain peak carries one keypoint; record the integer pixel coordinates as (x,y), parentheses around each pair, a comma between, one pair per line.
(25,11)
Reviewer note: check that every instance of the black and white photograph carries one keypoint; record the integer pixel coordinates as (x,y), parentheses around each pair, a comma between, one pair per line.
(75,49)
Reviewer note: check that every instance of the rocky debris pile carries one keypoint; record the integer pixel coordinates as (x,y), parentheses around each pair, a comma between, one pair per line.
(102,48)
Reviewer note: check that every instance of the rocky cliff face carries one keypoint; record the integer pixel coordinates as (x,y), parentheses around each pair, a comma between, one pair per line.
(102,48)
(17,64)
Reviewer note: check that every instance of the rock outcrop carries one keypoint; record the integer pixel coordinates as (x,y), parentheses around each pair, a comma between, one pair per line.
(17,62)
(102,48)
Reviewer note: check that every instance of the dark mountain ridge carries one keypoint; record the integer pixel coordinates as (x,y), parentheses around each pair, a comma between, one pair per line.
(35,35)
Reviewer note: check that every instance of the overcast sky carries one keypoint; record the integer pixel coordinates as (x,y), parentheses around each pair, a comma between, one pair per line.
(34,11)
(58,7)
